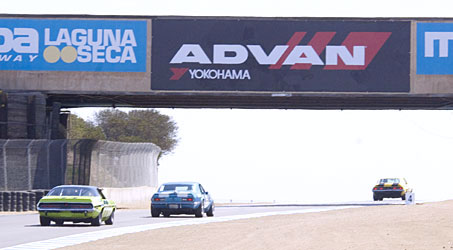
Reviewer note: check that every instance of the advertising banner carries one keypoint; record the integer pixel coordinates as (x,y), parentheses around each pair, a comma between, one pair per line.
(433,42)
(73,45)
(280,55)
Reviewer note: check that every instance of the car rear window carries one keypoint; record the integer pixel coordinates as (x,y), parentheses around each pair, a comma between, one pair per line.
(73,191)
(389,180)
(175,187)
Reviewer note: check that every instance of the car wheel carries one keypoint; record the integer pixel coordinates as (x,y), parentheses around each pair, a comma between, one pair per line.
(59,222)
(97,221)
(199,211)
(166,214)
(375,197)
(44,221)
(154,212)
(403,197)
(111,218)
(210,212)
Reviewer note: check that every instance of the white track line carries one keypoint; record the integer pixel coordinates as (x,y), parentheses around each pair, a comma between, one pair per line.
(97,235)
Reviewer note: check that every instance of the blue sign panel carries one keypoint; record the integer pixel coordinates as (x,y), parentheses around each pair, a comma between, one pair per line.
(435,48)
(73,45)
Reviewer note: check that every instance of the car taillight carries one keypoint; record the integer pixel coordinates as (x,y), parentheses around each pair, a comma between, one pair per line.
(48,206)
(189,199)
(375,188)
(159,199)
(381,188)
(83,206)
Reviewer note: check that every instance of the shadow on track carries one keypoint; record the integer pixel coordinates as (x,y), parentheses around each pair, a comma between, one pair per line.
(171,216)
(64,225)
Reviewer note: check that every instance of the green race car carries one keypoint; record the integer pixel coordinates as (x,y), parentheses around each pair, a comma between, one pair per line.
(76,203)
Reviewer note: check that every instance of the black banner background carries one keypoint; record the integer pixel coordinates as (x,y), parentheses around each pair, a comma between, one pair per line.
(387,72)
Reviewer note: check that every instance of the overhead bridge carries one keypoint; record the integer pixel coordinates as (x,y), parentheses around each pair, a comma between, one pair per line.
(49,62)
(256,100)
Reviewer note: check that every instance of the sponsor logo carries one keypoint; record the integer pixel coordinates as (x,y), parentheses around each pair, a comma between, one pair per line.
(80,45)
(72,45)
(442,38)
(19,40)
(433,54)
(219,74)
(90,46)
(355,53)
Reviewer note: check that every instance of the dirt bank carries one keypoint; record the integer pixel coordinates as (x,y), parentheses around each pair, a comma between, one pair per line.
(424,226)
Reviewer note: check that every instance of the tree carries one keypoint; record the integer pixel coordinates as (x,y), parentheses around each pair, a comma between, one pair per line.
(80,129)
(139,126)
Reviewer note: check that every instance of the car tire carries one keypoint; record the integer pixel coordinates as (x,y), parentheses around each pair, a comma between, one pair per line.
(199,211)
(97,221)
(403,197)
(44,221)
(210,211)
(111,218)
(376,198)
(154,212)
(166,214)
(59,222)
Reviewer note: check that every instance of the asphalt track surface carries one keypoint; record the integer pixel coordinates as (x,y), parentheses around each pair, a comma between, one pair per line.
(16,229)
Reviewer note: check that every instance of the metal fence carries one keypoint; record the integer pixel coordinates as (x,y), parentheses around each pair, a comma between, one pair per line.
(31,164)
(43,164)
(113,164)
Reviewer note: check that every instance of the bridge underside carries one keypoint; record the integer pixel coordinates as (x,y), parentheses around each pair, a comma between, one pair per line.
(254,101)
(37,115)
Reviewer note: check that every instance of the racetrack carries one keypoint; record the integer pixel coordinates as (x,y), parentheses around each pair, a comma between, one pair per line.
(424,226)
(24,228)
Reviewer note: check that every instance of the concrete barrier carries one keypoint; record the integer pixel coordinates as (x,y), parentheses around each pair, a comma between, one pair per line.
(133,197)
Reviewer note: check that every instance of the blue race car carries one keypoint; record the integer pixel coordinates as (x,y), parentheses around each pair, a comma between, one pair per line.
(182,198)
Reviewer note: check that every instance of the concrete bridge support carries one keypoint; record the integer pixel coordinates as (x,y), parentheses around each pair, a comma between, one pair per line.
(26,115)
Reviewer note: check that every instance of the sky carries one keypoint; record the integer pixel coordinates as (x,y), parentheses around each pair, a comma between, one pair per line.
(308,156)
(282,8)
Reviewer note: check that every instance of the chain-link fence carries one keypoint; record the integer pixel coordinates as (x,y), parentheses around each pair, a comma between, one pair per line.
(32,164)
(43,164)
(113,164)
